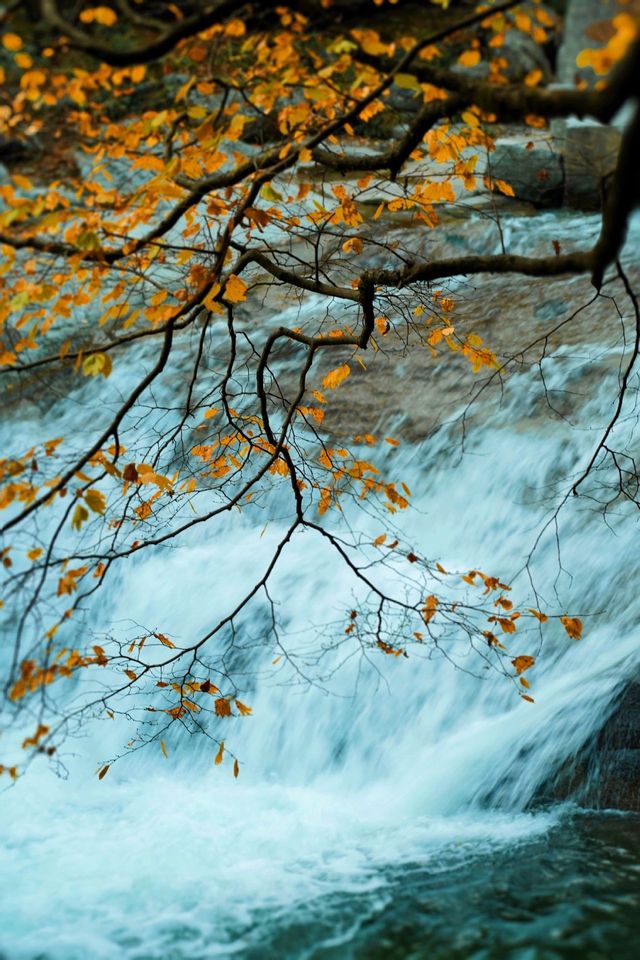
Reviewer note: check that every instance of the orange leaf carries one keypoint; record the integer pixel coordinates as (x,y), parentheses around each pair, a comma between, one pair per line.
(219,755)
(336,376)
(164,640)
(523,663)
(470,58)
(235,290)
(104,15)
(353,245)
(11,41)
(542,617)
(429,609)
(573,626)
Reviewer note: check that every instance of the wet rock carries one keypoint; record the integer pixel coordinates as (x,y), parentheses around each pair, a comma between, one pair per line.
(589,148)
(622,729)
(618,780)
(605,774)
(590,156)
(524,55)
(587,24)
(532,166)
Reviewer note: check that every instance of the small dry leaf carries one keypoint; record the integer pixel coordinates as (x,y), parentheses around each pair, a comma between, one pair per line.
(573,626)
(429,609)
(542,617)
(523,663)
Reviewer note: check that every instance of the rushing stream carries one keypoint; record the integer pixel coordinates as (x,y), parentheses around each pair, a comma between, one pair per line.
(392,811)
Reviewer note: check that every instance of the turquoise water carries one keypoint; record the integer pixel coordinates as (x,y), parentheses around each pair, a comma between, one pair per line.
(358,828)
(573,893)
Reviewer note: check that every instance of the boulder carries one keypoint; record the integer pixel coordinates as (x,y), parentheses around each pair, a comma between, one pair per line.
(532,166)
(590,148)
(590,156)
(523,55)
(587,25)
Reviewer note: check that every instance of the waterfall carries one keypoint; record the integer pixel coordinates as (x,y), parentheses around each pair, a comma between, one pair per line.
(387,760)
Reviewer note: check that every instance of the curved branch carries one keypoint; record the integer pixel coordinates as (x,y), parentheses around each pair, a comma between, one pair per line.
(188,27)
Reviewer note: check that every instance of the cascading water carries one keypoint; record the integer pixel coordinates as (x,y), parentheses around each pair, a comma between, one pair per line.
(384,789)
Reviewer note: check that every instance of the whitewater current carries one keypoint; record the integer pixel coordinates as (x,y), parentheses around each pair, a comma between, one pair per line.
(349,795)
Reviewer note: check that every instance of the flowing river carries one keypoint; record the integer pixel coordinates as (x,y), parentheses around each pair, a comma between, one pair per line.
(393,810)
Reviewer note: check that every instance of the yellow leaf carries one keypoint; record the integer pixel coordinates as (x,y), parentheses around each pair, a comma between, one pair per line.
(235,28)
(406,81)
(211,302)
(336,376)
(533,78)
(11,41)
(219,755)
(97,363)
(104,15)
(80,515)
(470,58)
(235,289)
(505,188)
(271,194)
(353,245)
(95,500)
(163,747)
(35,553)
(243,710)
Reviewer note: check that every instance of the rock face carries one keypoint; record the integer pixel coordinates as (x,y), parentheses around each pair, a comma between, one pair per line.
(589,148)
(606,773)
(617,754)
(590,156)
(532,166)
